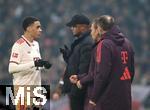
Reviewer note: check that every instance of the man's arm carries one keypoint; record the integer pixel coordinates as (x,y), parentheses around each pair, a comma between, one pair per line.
(132,69)
(14,67)
(132,66)
(80,76)
(14,63)
(86,79)
(103,68)
(85,57)
(81,79)
(84,60)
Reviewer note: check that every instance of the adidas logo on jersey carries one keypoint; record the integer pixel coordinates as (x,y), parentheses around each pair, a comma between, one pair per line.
(126,75)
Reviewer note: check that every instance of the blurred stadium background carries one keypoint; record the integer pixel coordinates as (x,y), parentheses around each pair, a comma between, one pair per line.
(133,16)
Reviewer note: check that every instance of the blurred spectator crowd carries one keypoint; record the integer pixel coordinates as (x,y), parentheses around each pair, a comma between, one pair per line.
(132,17)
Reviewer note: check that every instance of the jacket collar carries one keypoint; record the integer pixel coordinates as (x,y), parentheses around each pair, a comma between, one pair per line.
(82,36)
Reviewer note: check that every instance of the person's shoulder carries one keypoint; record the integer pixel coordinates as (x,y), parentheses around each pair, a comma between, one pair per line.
(128,41)
(129,45)
(88,40)
(105,42)
(19,43)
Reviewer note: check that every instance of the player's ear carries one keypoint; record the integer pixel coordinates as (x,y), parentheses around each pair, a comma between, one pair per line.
(28,28)
(96,31)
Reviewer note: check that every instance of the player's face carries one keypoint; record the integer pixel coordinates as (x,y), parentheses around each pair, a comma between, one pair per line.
(94,31)
(36,29)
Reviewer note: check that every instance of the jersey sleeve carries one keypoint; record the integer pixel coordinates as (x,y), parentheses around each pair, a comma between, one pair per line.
(15,64)
(16,54)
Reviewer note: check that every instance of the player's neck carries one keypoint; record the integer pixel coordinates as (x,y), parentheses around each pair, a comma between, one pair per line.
(28,37)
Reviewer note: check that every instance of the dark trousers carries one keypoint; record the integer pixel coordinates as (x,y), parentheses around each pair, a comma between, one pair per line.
(77,104)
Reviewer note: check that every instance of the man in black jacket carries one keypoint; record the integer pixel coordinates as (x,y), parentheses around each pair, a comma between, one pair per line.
(77,59)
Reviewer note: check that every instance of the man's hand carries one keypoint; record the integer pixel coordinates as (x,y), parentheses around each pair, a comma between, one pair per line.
(46,64)
(65,52)
(73,79)
(91,105)
(79,84)
(38,63)
(41,63)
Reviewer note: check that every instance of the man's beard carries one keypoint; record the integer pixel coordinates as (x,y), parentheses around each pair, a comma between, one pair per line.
(77,34)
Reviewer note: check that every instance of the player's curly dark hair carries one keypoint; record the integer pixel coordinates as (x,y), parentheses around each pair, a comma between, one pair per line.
(28,21)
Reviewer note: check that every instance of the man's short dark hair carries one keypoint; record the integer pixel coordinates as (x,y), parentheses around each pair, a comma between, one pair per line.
(106,22)
(28,21)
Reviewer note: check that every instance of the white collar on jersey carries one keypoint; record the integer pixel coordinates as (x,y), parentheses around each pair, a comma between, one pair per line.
(27,41)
